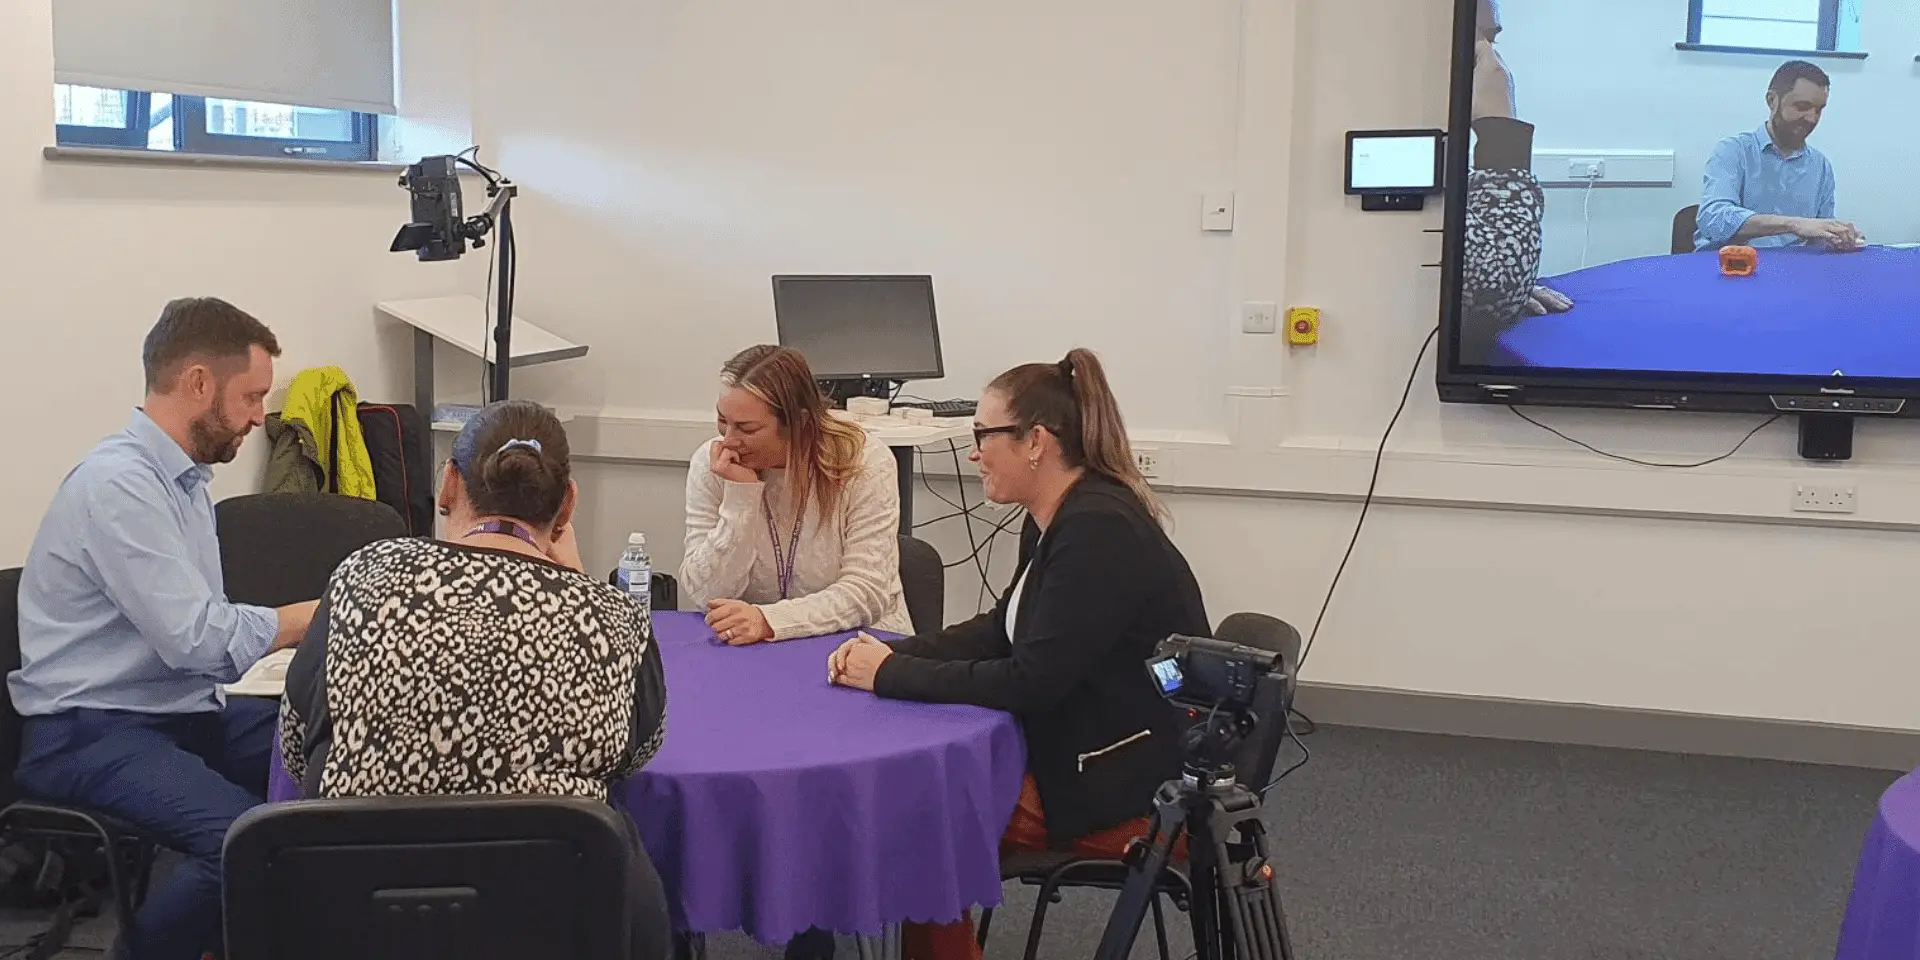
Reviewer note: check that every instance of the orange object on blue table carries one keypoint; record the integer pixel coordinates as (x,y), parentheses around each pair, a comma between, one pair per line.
(1739,261)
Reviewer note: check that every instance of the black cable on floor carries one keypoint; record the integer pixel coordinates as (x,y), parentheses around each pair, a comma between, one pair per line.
(1305,755)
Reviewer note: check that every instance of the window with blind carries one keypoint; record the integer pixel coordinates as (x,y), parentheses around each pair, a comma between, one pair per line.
(1776,25)
(305,79)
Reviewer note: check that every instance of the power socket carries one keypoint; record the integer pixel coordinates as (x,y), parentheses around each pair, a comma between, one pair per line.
(1587,168)
(1824,498)
(1147,460)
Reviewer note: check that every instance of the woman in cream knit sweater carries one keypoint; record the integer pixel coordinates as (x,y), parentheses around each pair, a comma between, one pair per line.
(793,517)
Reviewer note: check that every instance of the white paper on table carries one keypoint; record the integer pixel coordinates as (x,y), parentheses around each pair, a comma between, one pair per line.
(267,678)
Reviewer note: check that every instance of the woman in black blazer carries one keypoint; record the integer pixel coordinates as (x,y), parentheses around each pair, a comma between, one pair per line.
(1099,584)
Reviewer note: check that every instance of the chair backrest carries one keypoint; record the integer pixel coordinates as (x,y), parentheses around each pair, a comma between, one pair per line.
(1255,763)
(1685,224)
(436,878)
(10,722)
(281,548)
(663,591)
(924,580)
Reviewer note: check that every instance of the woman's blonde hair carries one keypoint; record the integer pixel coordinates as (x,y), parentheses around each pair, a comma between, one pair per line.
(823,452)
(1072,400)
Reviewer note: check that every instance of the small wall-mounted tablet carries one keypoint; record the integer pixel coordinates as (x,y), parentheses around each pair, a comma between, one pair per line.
(1394,169)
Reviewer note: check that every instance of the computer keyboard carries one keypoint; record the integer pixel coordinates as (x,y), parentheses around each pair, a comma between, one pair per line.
(942,408)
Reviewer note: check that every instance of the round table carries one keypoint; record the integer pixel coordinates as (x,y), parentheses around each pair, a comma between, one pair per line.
(1883,912)
(780,802)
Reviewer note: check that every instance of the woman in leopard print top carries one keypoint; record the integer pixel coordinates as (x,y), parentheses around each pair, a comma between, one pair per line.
(1505,207)
(489,663)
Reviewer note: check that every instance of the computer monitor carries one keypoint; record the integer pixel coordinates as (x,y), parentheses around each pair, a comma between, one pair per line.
(860,328)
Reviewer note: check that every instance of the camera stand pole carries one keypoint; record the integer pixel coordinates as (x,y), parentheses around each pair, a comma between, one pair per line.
(499,213)
(1236,907)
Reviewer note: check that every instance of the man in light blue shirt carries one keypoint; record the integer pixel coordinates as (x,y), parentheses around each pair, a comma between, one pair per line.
(126,632)
(1768,188)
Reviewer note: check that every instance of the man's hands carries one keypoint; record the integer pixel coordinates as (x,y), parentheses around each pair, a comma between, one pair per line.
(1545,300)
(856,662)
(738,623)
(1834,234)
(1492,84)
(725,464)
(294,620)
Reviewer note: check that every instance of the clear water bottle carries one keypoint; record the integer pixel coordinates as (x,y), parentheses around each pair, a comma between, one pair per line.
(636,572)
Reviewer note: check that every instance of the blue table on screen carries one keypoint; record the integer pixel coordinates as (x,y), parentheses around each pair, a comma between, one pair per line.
(1808,312)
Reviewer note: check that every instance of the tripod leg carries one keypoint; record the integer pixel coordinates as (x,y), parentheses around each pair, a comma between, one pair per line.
(1250,911)
(1123,927)
(1206,907)
(1160,927)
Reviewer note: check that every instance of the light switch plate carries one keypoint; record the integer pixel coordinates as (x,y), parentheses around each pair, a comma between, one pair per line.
(1216,215)
(1259,317)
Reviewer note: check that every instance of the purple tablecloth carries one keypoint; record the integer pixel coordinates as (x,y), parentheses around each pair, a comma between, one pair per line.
(1803,312)
(1883,913)
(781,803)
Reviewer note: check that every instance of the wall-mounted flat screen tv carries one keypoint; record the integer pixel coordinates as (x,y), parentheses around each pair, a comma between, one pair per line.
(1695,204)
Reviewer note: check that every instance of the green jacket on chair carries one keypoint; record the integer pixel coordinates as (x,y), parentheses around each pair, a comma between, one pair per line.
(316,441)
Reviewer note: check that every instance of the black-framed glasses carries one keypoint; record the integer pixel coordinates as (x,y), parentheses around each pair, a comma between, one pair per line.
(980,434)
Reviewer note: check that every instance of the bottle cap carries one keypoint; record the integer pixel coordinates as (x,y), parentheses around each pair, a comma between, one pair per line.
(636,539)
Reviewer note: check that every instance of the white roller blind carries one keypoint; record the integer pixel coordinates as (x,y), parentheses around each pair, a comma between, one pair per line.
(311,53)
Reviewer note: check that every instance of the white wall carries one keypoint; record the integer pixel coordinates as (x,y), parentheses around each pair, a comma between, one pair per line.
(1045,162)
(1594,75)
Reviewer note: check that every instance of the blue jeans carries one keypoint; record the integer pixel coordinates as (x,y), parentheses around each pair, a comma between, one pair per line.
(180,780)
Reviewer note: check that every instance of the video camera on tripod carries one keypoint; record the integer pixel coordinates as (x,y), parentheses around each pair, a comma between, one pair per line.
(1229,690)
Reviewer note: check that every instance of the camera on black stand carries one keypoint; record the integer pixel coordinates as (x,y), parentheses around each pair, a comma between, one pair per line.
(1228,690)
(440,230)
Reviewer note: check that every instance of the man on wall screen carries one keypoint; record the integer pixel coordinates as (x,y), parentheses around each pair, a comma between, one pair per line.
(1768,188)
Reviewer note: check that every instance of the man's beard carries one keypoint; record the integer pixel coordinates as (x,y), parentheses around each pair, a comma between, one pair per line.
(213,440)
(1797,133)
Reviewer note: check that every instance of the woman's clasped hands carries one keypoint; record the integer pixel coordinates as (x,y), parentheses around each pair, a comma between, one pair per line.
(856,662)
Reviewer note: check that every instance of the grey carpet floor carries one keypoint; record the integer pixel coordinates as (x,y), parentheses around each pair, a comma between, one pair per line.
(1395,845)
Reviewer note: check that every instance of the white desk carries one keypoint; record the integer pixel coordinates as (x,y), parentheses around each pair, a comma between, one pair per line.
(906,436)
(466,323)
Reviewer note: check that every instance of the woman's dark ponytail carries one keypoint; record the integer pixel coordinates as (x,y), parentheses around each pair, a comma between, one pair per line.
(1072,400)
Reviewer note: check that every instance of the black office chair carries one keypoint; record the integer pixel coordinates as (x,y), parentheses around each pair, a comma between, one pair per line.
(924,580)
(1685,224)
(664,593)
(1055,871)
(128,858)
(281,548)
(440,878)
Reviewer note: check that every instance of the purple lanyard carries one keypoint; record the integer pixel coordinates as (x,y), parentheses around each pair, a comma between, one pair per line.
(783,562)
(507,527)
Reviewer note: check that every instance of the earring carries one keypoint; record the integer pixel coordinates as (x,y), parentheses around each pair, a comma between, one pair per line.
(1033,464)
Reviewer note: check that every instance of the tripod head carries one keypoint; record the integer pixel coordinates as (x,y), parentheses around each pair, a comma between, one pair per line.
(1210,745)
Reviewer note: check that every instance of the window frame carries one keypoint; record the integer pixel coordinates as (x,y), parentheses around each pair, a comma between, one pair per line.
(1826,43)
(130,135)
(190,136)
